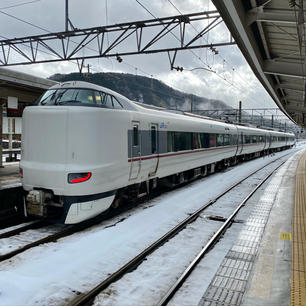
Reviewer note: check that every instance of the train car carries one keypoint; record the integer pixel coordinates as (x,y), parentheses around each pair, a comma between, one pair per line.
(85,147)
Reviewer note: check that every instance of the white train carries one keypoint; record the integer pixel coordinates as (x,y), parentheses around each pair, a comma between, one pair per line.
(85,147)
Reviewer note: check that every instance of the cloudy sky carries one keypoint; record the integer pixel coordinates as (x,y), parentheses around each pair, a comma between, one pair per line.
(231,81)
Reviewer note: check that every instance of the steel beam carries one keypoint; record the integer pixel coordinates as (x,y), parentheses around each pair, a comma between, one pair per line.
(296,70)
(139,37)
(290,86)
(260,16)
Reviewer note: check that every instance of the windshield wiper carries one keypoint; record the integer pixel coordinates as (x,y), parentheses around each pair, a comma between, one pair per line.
(59,96)
(68,101)
(43,102)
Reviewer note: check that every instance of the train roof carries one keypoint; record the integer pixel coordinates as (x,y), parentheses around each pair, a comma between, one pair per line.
(137,106)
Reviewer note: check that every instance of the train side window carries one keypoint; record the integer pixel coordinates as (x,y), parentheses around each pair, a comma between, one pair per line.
(185,138)
(219,140)
(212,140)
(176,140)
(170,139)
(116,104)
(201,144)
(233,140)
(204,140)
(135,135)
(153,139)
(226,140)
(108,101)
(195,141)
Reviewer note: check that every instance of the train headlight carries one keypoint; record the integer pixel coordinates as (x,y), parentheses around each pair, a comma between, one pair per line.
(78,177)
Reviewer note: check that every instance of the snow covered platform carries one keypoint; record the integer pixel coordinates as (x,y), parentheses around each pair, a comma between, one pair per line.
(9,176)
(266,263)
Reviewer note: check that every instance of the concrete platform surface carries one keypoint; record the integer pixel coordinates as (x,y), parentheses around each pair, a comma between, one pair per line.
(256,269)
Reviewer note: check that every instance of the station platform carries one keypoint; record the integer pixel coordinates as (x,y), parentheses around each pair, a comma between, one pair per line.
(278,276)
(265,264)
(9,176)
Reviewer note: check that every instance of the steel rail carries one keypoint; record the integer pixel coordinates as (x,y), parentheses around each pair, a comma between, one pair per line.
(87,298)
(171,292)
(69,230)
(16,231)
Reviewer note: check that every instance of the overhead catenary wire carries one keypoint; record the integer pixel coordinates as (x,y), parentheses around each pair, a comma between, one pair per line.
(230,84)
(19,4)
(219,55)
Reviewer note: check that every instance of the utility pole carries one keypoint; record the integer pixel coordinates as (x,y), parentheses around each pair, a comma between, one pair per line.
(66,17)
(239,112)
(67,20)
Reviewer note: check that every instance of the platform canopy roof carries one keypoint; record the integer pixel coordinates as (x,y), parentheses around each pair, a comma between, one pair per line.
(21,85)
(271,36)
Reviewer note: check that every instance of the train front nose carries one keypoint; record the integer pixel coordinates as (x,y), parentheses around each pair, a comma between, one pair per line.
(44,148)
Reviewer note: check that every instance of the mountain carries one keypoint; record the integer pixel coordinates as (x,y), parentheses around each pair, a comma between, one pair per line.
(144,89)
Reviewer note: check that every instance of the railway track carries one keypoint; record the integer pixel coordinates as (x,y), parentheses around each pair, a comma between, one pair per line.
(67,231)
(18,230)
(88,298)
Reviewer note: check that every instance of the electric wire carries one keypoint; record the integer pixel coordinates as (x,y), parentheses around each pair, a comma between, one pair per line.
(230,84)
(19,4)
(207,41)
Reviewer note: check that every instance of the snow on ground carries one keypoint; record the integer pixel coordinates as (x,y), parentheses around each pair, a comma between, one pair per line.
(11,228)
(197,283)
(12,243)
(52,273)
(151,280)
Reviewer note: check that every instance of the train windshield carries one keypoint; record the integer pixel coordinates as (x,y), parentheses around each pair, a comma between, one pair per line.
(78,97)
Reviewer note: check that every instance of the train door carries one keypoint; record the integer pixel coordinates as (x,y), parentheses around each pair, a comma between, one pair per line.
(154,148)
(270,140)
(135,147)
(240,142)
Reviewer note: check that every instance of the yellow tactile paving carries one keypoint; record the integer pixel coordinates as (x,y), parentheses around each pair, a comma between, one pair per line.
(298,266)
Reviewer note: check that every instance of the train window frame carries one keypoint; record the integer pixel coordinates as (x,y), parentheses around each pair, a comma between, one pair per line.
(135,138)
